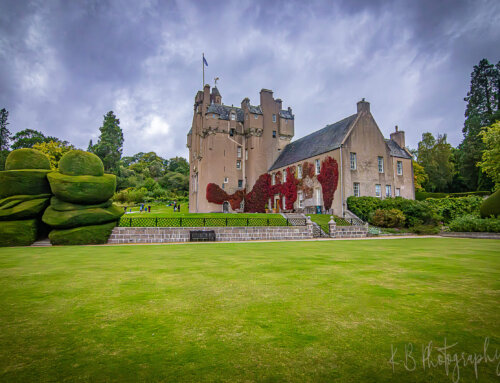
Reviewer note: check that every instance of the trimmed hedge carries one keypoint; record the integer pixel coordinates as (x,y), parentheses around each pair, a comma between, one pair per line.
(22,182)
(26,159)
(15,199)
(83,235)
(18,233)
(82,189)
(470,223)
(491,206)
(74,218)
(23,209)
(422,196)
(59,205)
(80,163)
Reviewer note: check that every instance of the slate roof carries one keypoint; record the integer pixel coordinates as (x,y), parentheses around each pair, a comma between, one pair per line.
(321,141)
(215,91)
(224,110)
(286,114)
(396,150)
(255,109)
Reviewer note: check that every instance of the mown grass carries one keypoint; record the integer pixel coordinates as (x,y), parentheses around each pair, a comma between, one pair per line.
(268,312)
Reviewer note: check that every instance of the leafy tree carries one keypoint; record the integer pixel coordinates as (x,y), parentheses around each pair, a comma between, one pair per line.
(28,137)
(4,131)
(54,150)
(482,110)
(179,165)
(110,144)
(435,157)
(419,175)
(490,163)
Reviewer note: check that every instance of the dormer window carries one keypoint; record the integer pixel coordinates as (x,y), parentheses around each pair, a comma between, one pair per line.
(255,116)
(233,116)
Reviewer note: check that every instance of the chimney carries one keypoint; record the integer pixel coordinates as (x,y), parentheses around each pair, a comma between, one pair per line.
(363,106)
(280,103)
(245,103)
(398,137)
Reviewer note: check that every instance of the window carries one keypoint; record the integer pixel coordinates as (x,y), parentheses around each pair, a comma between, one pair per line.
(380,164)
(318,196)
(240,183)
(300,197)
(284,176)
(226,180)
(378,191)
(238,152)
(231,132)
(246,154)
(388,191)
(299,171)
(355,187)
(273,179)
(274,133)
(284,204)
(233,116)
(238,164)
(400,168)
(398,192)
(318,167)
(353,161)
(274,118)
(255,116)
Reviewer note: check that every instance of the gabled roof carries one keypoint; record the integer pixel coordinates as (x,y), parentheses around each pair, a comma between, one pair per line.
(321,141)
(286,114)
(224,110)
(396,150)
(255,109)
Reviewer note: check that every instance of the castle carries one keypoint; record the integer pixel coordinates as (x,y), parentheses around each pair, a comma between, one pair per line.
(232,146)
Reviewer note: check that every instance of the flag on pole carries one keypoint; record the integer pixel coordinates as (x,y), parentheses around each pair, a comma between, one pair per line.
(205,61)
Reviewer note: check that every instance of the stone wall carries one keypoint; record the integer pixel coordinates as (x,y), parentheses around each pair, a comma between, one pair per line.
(354,231)
(472,235)
(181,234)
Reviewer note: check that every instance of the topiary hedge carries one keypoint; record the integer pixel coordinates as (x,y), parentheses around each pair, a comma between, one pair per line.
(491,206)
(26,159)
(422,196)
(15,199)
(18,233)
(23,209)
(59,205)
(80,163)
(22,182)
(95,234)
(82,189)
(74,218)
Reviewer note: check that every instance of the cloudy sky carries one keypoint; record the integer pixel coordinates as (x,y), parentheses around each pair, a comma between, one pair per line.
(64,64)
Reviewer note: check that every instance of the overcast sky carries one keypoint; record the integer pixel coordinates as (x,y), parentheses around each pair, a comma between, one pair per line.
(64,64)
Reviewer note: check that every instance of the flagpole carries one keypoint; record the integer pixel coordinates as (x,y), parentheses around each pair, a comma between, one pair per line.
(203,65)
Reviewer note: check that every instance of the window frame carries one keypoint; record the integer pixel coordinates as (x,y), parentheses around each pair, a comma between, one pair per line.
(378,190)
(238,164)
(353,161)
(240,183)
(300,199)
(380,162)
(398,192)
(399,168)
(356,189)
(274,133)
(388,188)
(233,116)
(317,166)
(226,180)
(299,171)
(274,117)
(238,152)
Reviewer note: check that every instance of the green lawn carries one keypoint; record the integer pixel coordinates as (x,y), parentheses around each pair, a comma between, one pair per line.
(285,311)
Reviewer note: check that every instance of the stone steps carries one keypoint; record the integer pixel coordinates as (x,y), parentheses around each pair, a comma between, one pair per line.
(42,243)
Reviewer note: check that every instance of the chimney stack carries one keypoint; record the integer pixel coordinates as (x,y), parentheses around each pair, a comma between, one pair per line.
(363,106)
(398,137)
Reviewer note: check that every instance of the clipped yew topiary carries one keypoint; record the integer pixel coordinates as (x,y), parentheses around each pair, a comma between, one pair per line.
(21,182)
(82,189)
(75,218)
(84,235)
(80,163)
(491,206)
(23,209)
(18,233)
(59,205)
(26,159)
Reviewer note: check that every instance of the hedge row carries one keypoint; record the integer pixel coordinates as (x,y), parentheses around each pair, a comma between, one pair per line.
(470,223)
(422,196)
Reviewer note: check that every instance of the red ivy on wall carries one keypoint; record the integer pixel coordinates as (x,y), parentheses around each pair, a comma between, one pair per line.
(328,178)
(289,188)
(256,200)
(217,195)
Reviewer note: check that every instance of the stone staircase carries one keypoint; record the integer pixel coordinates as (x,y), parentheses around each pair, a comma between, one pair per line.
(296,219)
(42,243)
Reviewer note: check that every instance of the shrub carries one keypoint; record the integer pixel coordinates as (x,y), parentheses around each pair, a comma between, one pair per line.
(451,208)
(470,223)
(363,207)
(328,178)
(491,206)
(80,163)
(26,159)
(425,229)
(388,218)
(82,189)
(84,235)
(422,196)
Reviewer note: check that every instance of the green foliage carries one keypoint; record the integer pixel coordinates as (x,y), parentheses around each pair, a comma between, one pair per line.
(422,196)
(20,182)
(109,147)
(26,159)
(471,223)
(435,155)
(419,175)
(490,163)
(27,138)
(3,157)
(59,205)
(451,208)
(491,205)
(82,189)
(18,233)
(54,150)
(388,218)
(80,163)
(84,235)
(83,217)
(425,229)
(4,131)
(23,209)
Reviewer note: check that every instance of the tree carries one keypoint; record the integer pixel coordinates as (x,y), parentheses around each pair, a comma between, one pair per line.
(4,131)
(109,147)
(27,138)
(54,150)
(179,165)
(490,163)
(482,109)
(419,175)
(435,157)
